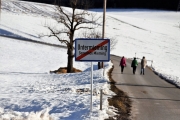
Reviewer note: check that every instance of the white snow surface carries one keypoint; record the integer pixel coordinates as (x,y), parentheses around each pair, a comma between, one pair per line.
(29,92)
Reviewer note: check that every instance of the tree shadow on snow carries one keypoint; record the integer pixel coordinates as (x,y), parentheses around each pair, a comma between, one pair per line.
(7,33)
(12,35)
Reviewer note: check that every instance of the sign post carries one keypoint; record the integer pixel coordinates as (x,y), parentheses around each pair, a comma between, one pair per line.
(91,86)
(92,50)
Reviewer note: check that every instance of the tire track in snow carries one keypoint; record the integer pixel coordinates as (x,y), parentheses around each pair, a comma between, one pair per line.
(128,23)
(27,7)
(136,26)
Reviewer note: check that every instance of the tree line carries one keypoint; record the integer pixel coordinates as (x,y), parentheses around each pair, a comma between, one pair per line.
(149,4)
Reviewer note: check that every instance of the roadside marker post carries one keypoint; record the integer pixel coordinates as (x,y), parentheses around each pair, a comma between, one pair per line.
(92,50)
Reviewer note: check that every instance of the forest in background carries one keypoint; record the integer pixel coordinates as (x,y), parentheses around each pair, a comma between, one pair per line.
(149,4)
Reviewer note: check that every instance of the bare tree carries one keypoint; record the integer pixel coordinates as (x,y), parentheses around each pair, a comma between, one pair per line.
(97,34)
(71,21)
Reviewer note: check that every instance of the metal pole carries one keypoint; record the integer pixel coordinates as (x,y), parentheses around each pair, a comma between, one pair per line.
(101,99)
(91,86)
(151,63)
(104,18)
(103,29)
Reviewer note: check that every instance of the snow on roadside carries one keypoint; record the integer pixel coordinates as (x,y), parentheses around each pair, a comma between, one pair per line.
(28,91)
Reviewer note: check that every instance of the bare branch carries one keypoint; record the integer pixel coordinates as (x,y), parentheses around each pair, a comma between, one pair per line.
(113,43)
(82,20)
(61,12)
(97,34)
(63,21)
(55,34)
(91,34)
(83,13)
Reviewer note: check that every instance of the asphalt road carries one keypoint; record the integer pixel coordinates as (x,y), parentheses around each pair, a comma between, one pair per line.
(152,97)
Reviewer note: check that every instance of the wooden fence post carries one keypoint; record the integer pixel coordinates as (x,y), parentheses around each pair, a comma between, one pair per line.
(101,99)
(151,63)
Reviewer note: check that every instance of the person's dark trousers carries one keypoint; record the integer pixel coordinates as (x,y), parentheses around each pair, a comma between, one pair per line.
(134,69)
(122,69)
(142,71)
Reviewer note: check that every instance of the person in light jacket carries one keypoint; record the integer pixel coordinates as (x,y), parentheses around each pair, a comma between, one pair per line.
(134,65)
(143,65)
(122,64)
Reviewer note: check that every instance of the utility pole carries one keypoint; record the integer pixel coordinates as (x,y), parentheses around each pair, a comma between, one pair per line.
(104,17)
(103,29)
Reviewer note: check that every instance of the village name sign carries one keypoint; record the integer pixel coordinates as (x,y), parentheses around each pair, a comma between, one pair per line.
(92,49)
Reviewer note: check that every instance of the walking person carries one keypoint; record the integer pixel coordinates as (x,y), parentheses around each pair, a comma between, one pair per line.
(122,64)
(143,65)
(134,65)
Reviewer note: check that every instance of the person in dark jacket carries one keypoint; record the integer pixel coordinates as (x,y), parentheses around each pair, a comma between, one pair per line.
(122,64)
(134,65)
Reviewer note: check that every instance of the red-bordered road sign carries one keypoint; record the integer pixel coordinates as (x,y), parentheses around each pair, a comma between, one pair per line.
(92,49)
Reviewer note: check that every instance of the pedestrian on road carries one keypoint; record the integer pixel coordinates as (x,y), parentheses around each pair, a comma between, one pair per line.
(122,64)
(143,65)
(134,64)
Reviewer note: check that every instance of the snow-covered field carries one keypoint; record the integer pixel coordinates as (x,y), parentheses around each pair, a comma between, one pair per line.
(29,92)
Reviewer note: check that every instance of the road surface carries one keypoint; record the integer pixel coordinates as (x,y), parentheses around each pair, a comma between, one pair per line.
(152,97)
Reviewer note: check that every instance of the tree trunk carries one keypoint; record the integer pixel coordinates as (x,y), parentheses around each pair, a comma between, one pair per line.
(70,60)
(70,53)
